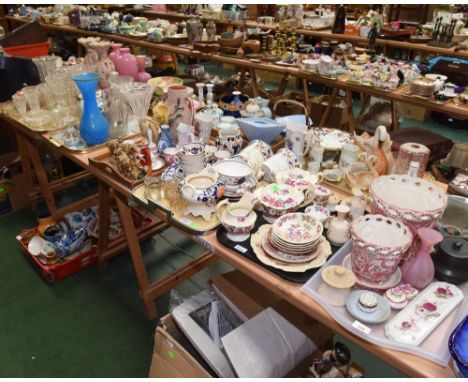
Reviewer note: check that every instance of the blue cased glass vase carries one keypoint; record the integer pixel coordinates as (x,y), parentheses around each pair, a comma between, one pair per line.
(94,127)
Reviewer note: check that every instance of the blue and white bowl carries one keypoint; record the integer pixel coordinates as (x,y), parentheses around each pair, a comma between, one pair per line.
(264,129)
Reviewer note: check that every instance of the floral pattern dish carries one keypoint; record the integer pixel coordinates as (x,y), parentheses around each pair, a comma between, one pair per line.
(297,228)
(278,199)
(422,315)
(256,244)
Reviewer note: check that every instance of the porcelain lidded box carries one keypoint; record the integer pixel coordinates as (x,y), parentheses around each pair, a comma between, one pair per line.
(201,191)
(337,283)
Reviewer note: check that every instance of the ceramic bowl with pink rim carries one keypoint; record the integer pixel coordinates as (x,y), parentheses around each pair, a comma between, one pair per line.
(379,243)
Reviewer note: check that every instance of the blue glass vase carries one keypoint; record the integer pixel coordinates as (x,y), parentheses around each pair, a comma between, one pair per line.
(165,139)
(94,128)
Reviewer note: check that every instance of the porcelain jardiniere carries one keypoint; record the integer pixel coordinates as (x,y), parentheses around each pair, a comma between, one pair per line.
(201,191)
(237,218)
(180,108)
(379,244)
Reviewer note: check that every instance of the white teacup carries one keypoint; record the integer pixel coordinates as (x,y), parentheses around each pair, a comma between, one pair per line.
(277,163)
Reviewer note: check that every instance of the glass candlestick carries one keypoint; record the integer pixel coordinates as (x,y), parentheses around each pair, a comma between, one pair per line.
(209,94)
(200,87)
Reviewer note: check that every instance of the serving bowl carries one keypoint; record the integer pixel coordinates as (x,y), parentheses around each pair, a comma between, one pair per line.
(230,40)
(278,199)
(415,201)
(263,129)
(233,172)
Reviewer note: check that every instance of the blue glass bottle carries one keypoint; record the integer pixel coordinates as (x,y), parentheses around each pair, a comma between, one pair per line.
(94,128)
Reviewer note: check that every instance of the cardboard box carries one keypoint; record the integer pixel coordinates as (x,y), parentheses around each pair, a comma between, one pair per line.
(418,113)
(338,115)
(173,360)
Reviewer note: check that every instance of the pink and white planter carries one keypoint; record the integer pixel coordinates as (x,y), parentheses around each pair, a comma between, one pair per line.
(379,244)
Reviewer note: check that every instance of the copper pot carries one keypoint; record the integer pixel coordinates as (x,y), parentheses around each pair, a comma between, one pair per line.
(251,46)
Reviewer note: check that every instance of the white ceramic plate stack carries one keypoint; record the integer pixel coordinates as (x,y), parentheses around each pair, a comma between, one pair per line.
(293,238)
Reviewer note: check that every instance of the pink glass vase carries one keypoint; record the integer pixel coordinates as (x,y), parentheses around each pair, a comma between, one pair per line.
(126,63)
(419,269)
(142,76)
(115,52)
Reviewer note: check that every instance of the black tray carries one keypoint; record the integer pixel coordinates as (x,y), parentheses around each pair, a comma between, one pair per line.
(295,277)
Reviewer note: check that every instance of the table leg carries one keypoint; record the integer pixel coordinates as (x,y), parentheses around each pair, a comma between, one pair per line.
(104,208)
(41,176)
(283,84)
(26,165)
(349,106)
(135,253)
(306,94)
(329,108)
(253,78)
(240,85)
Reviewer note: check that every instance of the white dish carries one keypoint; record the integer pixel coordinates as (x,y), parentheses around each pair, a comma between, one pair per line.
(286,257)
(422,315)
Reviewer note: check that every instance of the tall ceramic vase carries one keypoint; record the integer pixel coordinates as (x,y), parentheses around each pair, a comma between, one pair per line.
(115,52)
(180,108)
(126,63)
(94,128)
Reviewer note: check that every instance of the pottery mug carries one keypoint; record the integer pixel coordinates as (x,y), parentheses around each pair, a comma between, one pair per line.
(283,160)
(170,154)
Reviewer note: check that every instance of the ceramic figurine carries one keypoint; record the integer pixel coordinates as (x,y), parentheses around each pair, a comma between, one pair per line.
(339,229)
(380,146)
(335,363)
(361,174)
(419,270)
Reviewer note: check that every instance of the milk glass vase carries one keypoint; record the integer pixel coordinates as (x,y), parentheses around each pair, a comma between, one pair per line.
(94,128)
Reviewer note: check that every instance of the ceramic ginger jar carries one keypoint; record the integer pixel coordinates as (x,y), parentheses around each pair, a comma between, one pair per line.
(201,192)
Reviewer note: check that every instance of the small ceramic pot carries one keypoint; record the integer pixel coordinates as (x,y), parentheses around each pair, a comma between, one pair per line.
(321,213)
(170,154)
(379,243)
(322,194)
(237,218)
(337,283)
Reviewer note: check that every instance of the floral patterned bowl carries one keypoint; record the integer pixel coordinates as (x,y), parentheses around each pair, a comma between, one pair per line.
(278,199)
(297,228)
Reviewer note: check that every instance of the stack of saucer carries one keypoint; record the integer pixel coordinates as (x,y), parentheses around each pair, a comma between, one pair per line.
(293,238)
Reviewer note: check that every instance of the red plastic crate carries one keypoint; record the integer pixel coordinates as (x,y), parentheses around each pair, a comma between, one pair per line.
(61,270)
(28,50)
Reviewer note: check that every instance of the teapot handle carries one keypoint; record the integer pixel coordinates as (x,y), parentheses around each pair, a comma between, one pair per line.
(220,207)
(193,191)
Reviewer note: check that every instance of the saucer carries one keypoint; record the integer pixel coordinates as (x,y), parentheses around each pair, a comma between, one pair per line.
(256,244)
(377,316)
(174,171)
(392,282)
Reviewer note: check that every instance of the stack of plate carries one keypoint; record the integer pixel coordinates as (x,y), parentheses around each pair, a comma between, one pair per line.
(293,238)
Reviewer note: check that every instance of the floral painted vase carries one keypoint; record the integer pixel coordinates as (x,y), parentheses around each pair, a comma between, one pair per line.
(165,140)
(180,108)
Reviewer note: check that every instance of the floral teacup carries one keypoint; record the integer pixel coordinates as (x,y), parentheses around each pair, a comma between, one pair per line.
(283,160)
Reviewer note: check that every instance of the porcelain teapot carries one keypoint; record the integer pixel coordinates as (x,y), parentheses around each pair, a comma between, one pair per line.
(201,191)
(237,218)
